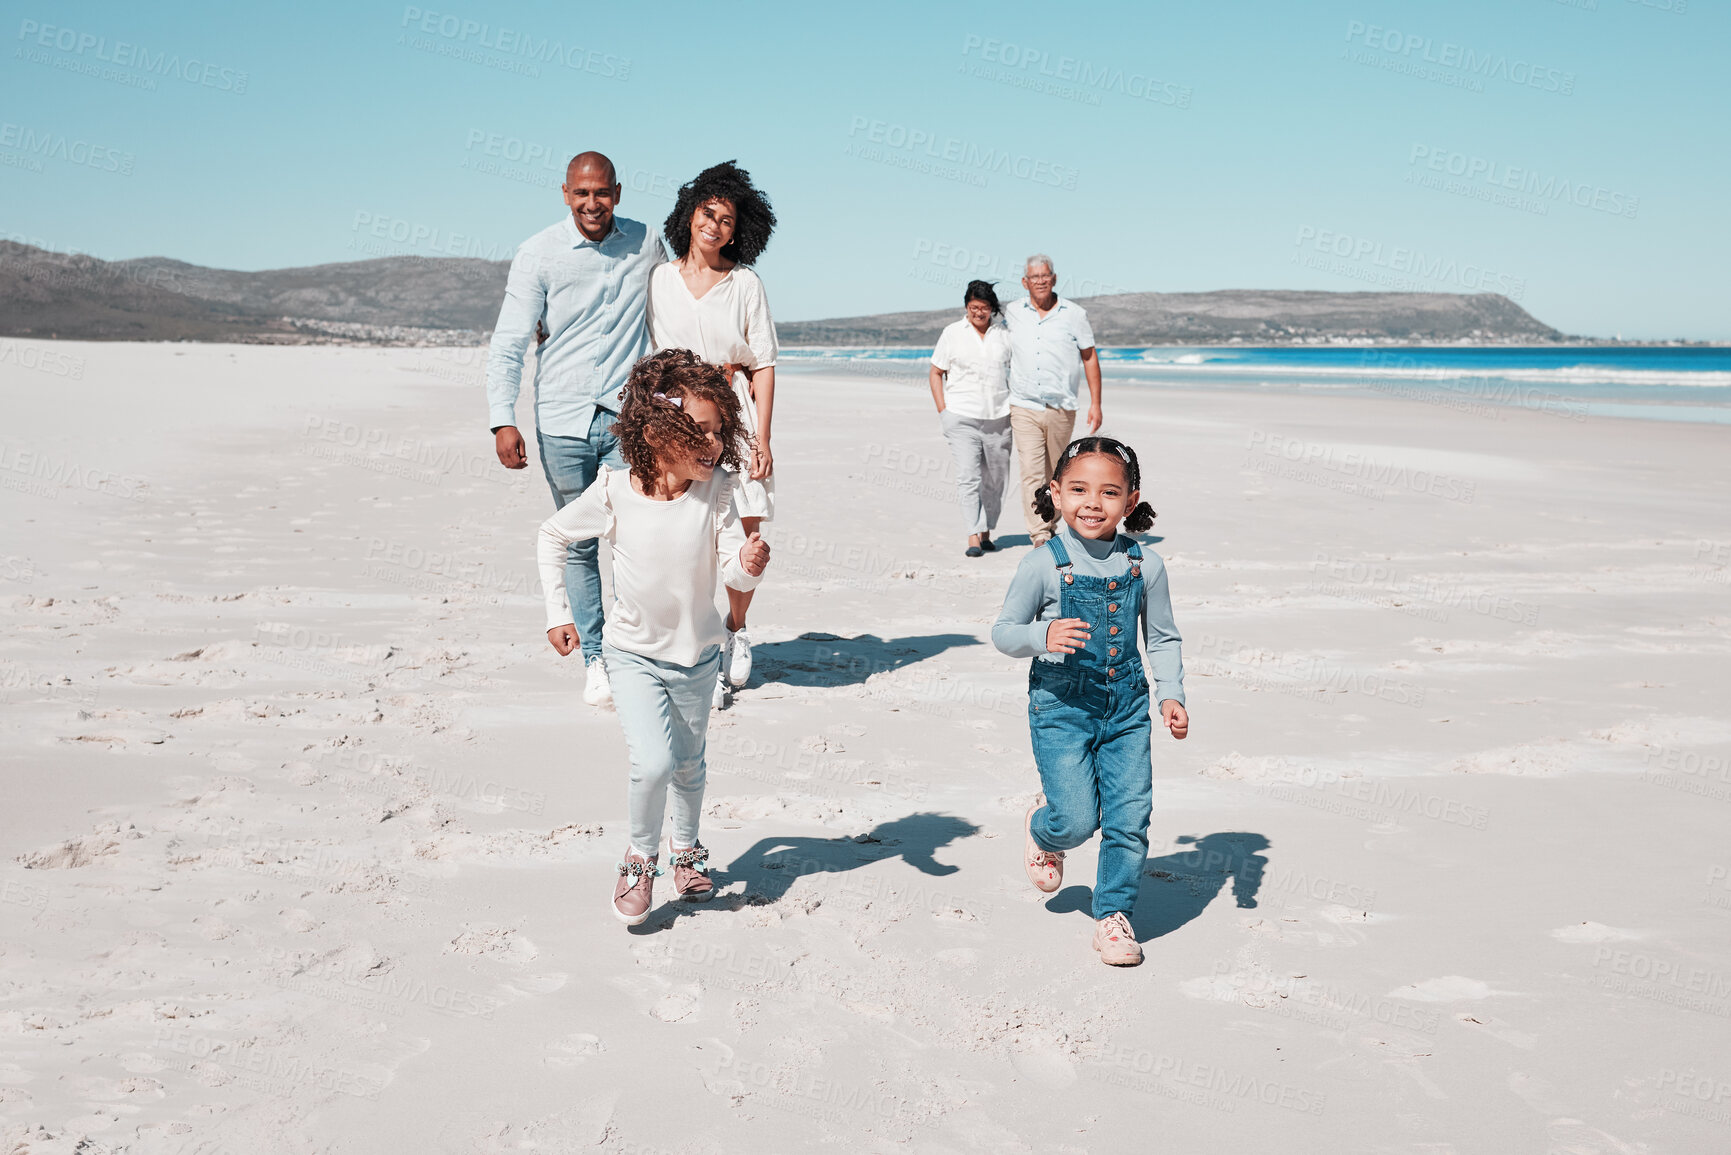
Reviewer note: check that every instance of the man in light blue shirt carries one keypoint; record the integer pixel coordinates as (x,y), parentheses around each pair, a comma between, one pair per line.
(1051,351)
(585,283)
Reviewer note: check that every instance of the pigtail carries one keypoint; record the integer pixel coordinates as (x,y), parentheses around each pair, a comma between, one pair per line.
(1141,519)
(1043,504)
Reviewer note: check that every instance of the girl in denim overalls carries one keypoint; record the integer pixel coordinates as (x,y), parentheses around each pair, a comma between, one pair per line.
(1074,607)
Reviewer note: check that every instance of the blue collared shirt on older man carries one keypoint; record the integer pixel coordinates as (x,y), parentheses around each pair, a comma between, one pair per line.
(593,297)
(1046,353)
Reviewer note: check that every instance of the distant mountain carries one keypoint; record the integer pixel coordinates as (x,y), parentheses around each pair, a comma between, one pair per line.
(48,294)
(1250,316)
(412,300)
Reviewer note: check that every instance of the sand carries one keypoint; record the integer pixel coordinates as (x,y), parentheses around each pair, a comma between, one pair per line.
(308,836)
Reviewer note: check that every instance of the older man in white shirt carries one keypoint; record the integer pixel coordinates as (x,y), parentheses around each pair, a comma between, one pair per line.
(1051,351)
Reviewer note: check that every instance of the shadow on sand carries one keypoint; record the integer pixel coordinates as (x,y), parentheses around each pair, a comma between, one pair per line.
(828,660)
(1177,887)
(771,866)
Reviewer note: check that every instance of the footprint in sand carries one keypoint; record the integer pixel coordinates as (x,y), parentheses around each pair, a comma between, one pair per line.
(573,1050)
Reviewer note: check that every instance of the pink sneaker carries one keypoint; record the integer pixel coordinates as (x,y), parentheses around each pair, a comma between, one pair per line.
(691,872)
(1045,867)
(634,893)
(1116,942)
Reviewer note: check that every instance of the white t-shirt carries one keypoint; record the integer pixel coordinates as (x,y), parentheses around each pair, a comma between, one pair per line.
(728,325)
(667,557)
(978,368)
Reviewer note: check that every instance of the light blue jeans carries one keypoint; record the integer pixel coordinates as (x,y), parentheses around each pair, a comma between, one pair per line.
(664,711)
(981,447)
(571,465)
(1092,742)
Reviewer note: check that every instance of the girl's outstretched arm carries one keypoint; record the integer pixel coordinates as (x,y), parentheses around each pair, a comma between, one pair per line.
(589,516)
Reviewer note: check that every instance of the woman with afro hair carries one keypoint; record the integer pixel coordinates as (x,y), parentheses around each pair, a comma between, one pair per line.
(708,300)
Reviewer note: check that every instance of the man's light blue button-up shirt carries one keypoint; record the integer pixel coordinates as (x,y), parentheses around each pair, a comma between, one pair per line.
(1046,353)
(593,297)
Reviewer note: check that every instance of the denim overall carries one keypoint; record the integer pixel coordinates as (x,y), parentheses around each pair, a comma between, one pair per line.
(1088,717)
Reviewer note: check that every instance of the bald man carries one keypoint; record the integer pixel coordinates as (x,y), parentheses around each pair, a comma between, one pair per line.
(585,283)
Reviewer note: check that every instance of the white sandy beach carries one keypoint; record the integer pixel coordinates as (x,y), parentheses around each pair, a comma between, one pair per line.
(308,838)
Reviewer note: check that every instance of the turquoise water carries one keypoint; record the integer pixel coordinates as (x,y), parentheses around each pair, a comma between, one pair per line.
(1665,384)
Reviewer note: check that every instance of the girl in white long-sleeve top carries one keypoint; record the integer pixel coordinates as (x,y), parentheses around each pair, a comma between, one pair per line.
(675,536)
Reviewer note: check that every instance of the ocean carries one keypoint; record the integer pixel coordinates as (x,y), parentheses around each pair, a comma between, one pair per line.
(1671,383)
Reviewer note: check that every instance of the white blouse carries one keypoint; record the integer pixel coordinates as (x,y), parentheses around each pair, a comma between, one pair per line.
(728,325)
(668,557)
(978,368)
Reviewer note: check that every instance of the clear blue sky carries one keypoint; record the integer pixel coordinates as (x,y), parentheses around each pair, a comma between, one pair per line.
(1575,159)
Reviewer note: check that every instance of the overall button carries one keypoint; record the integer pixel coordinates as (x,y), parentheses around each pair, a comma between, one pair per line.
(1111,585)
(1112,607)
(1111,673)
(1113,630)
(1112,652)
(1069,579)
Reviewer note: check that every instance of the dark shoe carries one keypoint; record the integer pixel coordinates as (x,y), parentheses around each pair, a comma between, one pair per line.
(974,551)
(987,544)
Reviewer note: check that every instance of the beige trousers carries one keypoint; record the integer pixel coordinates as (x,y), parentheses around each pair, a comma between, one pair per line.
(1040,435)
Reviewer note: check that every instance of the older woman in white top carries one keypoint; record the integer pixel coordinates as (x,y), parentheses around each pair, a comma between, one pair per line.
(970,379)
(708,300)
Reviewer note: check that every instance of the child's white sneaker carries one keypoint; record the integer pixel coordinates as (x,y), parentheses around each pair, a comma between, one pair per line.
(738,659)
(1116,942)
(718,700)
(597,690)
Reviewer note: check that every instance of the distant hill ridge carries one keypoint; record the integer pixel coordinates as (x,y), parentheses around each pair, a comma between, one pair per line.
(398,300)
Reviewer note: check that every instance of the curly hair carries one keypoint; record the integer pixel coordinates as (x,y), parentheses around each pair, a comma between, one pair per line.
(1139,519)
(653,425)
(753,219)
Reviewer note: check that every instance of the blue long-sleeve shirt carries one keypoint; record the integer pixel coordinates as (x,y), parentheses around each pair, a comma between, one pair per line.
(593,297)
(1031,605)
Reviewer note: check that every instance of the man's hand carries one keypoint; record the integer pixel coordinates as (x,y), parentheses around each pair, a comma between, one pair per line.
(1177,719)
(563,638)
(754,554)
(1094,419)
(1066,636)
(762,464)
(508,444)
